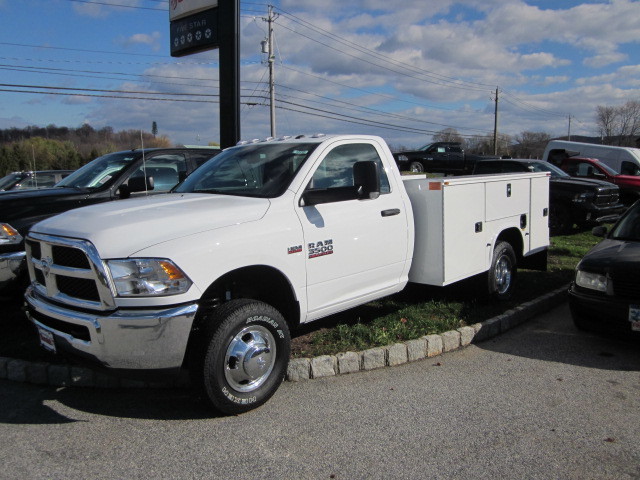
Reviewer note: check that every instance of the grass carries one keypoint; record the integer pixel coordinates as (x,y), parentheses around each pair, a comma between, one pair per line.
(420,310)
(416,311)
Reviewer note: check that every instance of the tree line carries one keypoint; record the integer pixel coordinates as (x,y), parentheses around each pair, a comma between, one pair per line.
(616,125)
(64,148)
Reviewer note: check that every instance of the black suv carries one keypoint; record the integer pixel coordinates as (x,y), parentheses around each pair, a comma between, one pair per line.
(30,180)
(113,176)
(580,201)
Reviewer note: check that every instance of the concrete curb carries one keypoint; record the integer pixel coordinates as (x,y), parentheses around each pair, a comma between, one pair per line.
(300,369)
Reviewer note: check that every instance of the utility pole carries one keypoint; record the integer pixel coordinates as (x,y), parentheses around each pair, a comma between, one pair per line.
(271,59)
(495,127)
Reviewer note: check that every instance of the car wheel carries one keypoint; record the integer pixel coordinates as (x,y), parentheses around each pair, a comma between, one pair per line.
(559,220)
(244,356)
(416,167)
(502,274)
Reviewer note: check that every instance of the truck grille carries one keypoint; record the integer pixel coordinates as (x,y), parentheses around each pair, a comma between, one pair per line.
(68,271)
(608,196)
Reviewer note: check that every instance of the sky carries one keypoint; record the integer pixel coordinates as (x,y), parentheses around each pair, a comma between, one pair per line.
(403,70)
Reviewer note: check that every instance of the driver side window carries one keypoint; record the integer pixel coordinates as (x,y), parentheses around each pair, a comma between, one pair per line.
(336,170)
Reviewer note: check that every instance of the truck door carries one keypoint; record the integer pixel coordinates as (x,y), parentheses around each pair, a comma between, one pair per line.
(353,248)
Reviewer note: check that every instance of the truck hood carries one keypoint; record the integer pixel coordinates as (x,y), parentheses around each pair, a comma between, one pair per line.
(119,229)
(582,182)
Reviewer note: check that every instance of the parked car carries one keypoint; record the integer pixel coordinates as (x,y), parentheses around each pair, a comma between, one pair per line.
(114,176)
(594,168)
(572,201)
(31,180)
(605,293)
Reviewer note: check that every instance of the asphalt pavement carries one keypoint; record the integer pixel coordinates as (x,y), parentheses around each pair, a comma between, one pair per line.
(541,401)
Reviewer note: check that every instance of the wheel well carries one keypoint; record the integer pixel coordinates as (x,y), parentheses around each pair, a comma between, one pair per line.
(514,237)
(257,282)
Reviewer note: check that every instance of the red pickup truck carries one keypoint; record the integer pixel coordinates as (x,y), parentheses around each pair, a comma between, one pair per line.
(594,168)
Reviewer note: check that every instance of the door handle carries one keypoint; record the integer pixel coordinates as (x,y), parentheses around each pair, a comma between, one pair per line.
(390,213)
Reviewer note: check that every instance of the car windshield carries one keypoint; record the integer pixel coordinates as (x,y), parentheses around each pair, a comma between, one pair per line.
(546,167)
(8,181)
(629,226)
(99,171)
(256,170)
(608,169)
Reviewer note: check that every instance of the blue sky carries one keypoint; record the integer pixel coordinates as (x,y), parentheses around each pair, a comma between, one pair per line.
(402,70)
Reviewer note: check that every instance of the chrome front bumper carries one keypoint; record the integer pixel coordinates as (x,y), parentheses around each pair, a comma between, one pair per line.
(123,339)
(11,264)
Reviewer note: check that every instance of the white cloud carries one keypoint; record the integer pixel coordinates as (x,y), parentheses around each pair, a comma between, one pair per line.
(152,40)
(598,61)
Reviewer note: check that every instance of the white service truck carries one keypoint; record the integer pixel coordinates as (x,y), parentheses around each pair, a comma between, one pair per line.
(264,237)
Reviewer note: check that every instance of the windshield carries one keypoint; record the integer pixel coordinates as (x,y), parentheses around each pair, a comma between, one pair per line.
(629,226)
(8,181)
(99,171)
(425,147)
(547,167)
(608,169)
(256,170)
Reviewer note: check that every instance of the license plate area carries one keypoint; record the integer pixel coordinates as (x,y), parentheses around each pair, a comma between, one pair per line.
(634,317)
(46,340)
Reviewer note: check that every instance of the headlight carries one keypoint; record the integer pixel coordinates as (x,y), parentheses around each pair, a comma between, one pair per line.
(403,158)
(592,281)
(147,277)
(584,197)
(9,235)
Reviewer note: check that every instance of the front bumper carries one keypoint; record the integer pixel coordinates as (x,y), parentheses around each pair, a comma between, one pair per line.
(595,215)
(11,266)
(605,313)
(122,339)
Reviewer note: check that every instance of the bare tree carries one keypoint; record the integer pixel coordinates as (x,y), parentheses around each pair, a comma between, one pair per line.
(448,135)
(619,125)
(530,144)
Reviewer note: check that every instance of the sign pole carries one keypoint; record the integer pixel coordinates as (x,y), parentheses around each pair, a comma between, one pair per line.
(229,28)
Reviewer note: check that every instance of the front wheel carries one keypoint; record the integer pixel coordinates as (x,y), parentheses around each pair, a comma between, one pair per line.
(502,274)
(244,356)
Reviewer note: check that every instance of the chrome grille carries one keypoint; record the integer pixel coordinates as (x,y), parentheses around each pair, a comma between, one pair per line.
(68,271)
(607,196)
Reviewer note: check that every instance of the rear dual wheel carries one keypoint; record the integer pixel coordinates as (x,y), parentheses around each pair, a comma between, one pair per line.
(243,356)
(502,274)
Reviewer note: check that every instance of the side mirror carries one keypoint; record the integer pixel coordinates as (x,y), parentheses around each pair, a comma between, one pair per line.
(599,231)
(137,184)
(366,178)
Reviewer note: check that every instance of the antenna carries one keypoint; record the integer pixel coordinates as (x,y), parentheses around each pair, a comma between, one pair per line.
(144,166)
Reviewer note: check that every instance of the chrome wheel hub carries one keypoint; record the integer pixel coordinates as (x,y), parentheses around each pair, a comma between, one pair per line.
(250,358)
(503,274)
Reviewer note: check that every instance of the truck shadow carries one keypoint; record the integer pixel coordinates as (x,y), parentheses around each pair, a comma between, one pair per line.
(552,337)
(33,405)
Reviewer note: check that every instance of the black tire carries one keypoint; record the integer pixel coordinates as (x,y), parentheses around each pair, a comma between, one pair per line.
(416,167)
(502,274)
(243,357)
(559,220)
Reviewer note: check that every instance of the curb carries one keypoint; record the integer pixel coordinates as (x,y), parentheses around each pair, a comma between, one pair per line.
(300,369)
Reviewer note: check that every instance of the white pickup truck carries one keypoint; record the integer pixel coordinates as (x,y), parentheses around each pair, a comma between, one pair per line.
(264,237)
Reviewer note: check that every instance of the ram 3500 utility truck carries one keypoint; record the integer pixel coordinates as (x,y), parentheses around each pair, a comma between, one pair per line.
(260,239)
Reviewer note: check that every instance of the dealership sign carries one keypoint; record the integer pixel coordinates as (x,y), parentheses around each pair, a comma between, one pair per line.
(181,8)
(193,26)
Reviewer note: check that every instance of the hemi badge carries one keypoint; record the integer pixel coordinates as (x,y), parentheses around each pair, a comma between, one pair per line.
(296,249)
